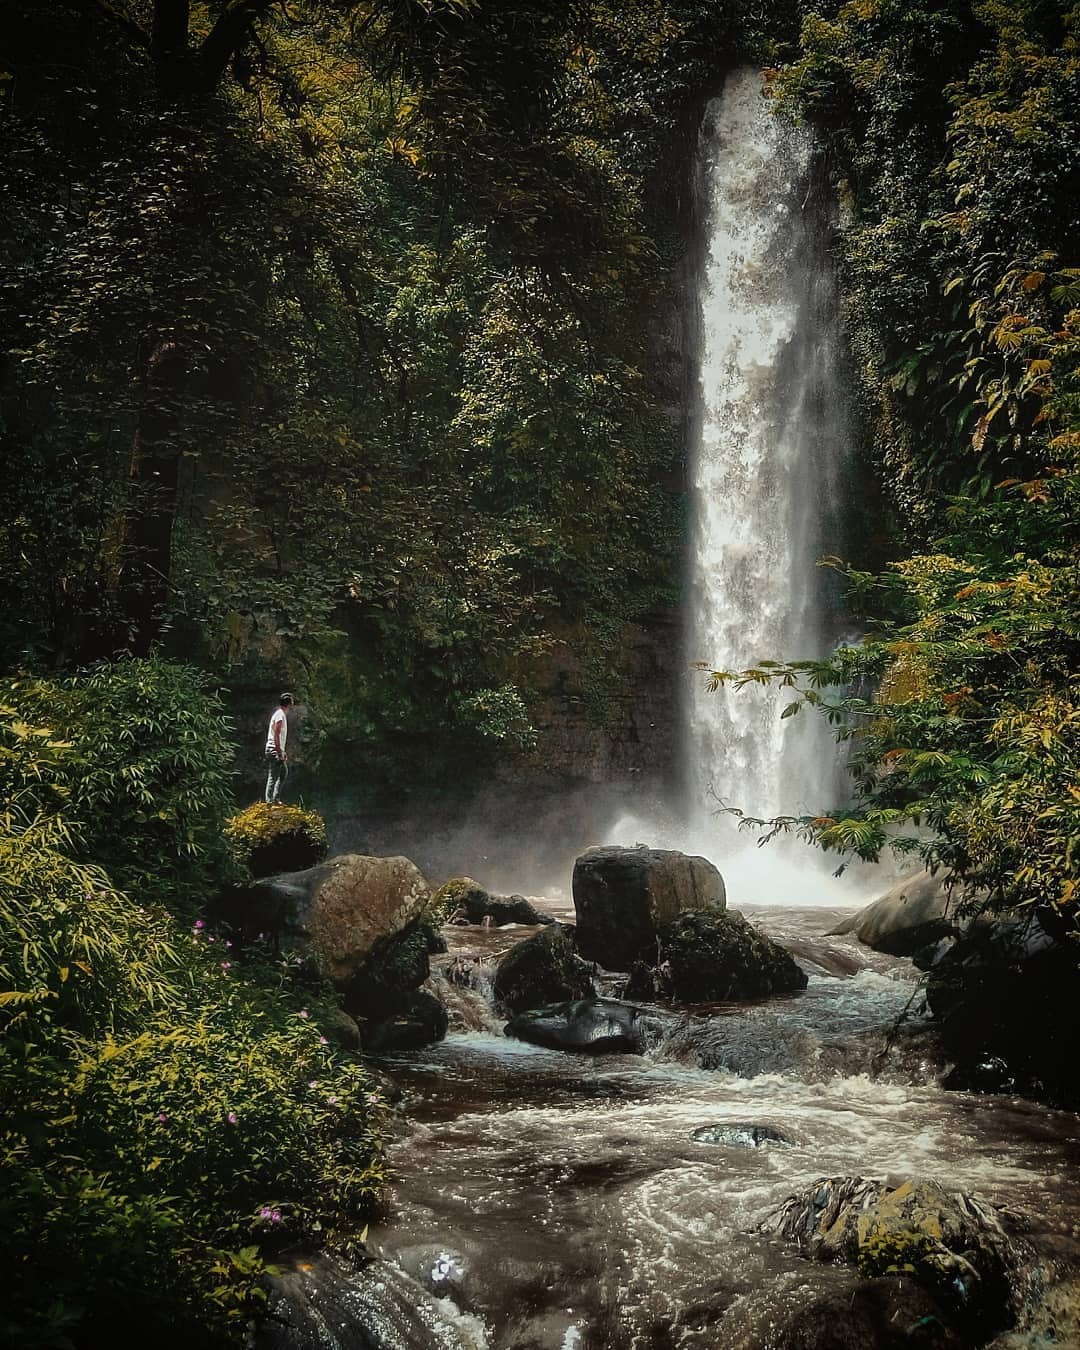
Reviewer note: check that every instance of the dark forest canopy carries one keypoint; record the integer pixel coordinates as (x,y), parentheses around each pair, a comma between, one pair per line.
(332,339)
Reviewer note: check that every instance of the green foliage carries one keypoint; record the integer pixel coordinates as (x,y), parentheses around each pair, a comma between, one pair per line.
(266,839)
(388,287)
(137,757)
(165,1115)
(170,1111)
(954,126)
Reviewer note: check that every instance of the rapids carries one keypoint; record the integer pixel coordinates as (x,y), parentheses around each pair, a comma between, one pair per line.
(559,1202)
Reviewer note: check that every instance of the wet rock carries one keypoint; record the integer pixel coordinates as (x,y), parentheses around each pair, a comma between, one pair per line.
(384,984)
(420,1022)
(623,896)
(713,957)
(463,900)
(342,1030)
(542,970)
(1004,997)
(323,1303)
(504,909)
(915,913)
(740,1136)
(590,1026)
(887,1313)
(832,960)
(953,1244)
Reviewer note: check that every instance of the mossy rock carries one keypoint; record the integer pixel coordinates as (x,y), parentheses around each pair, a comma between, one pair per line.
(388,979)
(266,840)
(460,895)
(543,970)
(713,956)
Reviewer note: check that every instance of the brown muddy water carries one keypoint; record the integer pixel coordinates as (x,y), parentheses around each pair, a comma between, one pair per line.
(560,1202)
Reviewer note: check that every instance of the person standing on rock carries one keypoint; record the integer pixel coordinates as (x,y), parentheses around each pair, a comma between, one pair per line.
(277,761)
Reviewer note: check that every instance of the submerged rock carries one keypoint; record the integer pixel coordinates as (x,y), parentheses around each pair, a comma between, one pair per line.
(740,1136)
(713,957)
(544,969)
(323,1304)
(954,1244)
(623,896)
(591,1026)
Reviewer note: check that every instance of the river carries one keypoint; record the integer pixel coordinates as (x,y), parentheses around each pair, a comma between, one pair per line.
(560,1202)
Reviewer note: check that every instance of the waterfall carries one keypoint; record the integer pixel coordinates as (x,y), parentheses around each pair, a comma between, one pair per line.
(767,451)
(769,440)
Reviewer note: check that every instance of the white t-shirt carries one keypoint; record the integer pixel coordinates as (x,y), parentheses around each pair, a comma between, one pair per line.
(278,720)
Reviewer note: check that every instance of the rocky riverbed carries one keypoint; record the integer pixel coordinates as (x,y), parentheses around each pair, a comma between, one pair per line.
(552,1201)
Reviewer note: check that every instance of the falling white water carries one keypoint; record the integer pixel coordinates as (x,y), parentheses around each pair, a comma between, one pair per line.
(769,439)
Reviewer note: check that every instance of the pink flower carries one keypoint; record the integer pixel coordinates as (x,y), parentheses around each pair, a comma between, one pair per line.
(323,1040)
(304,1012)
(313,1083)
(200,923)
(231,1117)
(162,1117)
(226,965)
(332,1101)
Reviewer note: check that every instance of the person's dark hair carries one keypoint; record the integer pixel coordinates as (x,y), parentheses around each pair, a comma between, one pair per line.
(285,700)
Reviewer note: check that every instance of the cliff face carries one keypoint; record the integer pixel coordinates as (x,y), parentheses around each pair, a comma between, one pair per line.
(622,732)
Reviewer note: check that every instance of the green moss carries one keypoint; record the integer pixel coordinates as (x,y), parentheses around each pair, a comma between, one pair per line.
(265,839)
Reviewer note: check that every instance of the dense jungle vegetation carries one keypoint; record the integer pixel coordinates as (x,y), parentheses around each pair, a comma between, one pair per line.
(330,358)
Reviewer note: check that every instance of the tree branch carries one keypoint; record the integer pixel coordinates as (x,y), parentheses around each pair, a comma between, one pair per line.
(226,38)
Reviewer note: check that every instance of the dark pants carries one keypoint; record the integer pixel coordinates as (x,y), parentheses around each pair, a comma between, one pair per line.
(276,773)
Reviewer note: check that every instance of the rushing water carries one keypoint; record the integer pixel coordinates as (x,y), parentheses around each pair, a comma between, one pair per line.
(560,1202)
(766,464)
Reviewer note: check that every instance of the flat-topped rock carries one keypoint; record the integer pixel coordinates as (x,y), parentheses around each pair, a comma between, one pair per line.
(624,896)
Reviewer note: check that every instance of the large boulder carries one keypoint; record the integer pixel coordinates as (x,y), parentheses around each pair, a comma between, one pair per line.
(714,958)
(542,970)
(1004,997)
(623,896)
(915,913)
(591,1026)
(339,910)
(366,923)
(954,1244)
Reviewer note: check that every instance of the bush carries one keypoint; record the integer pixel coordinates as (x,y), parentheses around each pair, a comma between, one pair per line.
(138,757)
(168,1116)
(266,839)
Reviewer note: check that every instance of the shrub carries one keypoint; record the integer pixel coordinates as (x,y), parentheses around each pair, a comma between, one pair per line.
(168,1117)
(267,839)
(138,756)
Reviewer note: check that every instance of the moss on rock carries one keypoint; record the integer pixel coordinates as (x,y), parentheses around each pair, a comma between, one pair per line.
(708,956)
(265,840)
(544,969)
